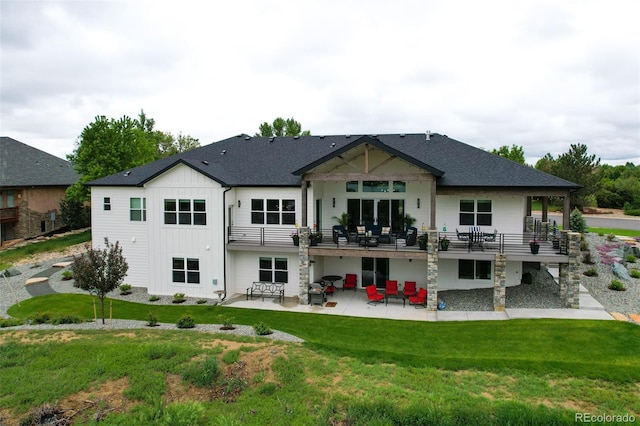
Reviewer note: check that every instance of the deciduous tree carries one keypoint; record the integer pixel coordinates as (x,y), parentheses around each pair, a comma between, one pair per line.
(282,127)
(100,271)
(515,153)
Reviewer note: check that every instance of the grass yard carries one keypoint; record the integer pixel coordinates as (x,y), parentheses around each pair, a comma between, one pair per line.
(349,371)
(12,255)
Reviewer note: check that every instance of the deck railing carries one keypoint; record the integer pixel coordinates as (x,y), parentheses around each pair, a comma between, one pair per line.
(9,214)
(499,242)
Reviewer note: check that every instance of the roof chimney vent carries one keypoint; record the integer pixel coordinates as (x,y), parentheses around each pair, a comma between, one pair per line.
(347,136)
(205,162)
(428,135)
(271,139)
(246,138)
(127,173)
(333,145)
(224,151)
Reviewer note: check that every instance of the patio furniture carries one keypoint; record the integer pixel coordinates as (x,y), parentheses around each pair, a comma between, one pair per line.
(373,295)
(368,242)
(340,235)
(419,300)
(350,281)
(316,293)
(410,237)
(409,288)
(266,289)
(331,279)
(385,235)
(391,291)
(491,237)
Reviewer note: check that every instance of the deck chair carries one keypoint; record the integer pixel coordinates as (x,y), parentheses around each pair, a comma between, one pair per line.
(461,237)
(373,295)
(391,288)
(350,281)
(419,300)
(409,288)
(491,237)
(361,231)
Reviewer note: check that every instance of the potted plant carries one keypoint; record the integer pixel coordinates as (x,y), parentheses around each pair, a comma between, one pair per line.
(422,241)
(296,239)
(343,219)
(315,238)
(444,243)
(534,245)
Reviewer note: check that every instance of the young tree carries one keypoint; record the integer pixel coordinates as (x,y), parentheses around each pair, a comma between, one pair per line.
(100,271)
(515,153)
(169,145)
(282,127)
(75,214)
(578,167)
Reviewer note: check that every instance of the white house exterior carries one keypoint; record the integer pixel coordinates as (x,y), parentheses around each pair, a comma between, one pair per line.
(221,217)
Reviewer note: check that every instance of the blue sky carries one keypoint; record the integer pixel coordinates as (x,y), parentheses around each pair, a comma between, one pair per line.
(538,74)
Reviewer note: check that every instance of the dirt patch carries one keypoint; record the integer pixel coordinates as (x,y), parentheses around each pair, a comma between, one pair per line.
(26,337)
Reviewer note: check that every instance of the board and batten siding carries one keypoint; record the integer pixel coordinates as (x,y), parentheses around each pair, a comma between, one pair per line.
(116,225)
(245,270)
(202,242)
(245,195)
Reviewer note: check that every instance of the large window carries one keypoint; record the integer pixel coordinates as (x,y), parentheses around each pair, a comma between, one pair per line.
(375,186)
(273,211)
(273,270)
(474,269)
(137,209)
(475,212)
(186,270)
(185,212)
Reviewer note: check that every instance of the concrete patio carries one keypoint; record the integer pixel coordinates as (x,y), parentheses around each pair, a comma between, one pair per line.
(354,304)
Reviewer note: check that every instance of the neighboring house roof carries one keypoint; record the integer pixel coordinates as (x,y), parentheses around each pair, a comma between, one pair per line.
(23,165)
(279,161)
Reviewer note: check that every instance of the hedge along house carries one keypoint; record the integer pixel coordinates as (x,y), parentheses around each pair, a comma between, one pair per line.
(32,184)
(222,216)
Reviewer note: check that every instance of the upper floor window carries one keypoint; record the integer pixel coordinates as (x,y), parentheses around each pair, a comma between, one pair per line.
(375,186)
(185,212)
(352,186)
(137,209)
(106,203)
(186,270)
(399,186)
(273,211)
(475,212)
(273,270)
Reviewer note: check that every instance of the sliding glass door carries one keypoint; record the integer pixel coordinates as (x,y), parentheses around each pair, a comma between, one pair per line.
(376,212)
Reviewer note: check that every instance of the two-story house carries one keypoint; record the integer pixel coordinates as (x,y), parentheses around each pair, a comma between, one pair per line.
(222,216)
(32,183)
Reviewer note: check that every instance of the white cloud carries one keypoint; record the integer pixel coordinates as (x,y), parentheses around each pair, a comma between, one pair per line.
(541,75)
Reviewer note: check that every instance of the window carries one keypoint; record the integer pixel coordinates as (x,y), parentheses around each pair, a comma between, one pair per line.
(475,213)
(273,270)
(474,269)
(278,212)
(375,186)
(185,212)
(399,186)
(352,186)
(106,203)
(186,270)
(137,209)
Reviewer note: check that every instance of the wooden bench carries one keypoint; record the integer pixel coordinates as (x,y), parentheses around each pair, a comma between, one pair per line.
(266,289)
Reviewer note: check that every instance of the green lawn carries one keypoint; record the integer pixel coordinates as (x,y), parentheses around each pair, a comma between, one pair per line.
(9,256)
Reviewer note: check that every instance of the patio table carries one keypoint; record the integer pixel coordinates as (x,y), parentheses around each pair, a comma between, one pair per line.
(474,238)
(332,279)
(395,296)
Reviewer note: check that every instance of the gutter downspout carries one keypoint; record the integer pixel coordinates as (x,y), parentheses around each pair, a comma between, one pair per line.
(224,241)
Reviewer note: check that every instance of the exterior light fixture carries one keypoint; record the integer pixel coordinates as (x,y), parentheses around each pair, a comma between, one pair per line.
(239,203)
(418,202)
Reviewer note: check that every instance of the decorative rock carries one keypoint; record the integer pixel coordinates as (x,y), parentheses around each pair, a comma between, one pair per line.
(36,280)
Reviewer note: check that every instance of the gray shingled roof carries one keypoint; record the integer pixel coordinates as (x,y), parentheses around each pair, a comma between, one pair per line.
(261,161)
(23,165)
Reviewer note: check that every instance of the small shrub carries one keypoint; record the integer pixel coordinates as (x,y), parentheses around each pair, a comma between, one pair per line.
(67,275)
(227,322)
(66,319)
(40,318)
(616,285)
(125,289)
(577,222)
(186,321)
(262,329)
(179,298)
(630,258)
(10,322)
(587,259)
(584,246)
(154,298)
(611,237)
(591,272)
(152,320)
(600,234)
(203,374)
(634,273)
(201,301)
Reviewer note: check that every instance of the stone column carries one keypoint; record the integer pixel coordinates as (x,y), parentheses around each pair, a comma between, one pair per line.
(500,283)
(304,264)
(572,274)
(432,270)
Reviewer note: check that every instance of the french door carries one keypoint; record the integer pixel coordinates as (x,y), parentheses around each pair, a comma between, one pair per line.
(376,212)
(375,271)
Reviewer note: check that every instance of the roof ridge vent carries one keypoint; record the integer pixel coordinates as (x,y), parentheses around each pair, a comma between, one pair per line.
(347,136)
(321,136)
(428,135)
(224,151)
(246,138)
(205,162)
(296,137)
(271,138)
(333,145)
(127,173)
